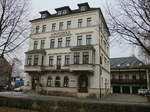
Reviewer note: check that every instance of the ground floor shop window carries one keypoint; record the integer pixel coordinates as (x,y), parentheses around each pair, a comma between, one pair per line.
(49,81)
(57,82)
(66,81)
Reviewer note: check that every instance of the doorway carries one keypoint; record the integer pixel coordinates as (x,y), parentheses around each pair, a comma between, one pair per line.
(83,84)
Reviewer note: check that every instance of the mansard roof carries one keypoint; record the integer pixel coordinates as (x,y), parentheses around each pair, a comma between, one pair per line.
(125,63)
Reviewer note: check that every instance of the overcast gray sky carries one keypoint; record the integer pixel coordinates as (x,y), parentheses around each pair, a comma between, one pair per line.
(116,49)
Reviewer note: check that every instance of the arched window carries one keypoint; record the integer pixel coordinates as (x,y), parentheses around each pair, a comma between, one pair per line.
(66,81)
(49,81)
(57,81)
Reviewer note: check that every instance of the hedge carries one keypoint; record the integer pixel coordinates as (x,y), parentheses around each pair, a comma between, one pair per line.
(68,106)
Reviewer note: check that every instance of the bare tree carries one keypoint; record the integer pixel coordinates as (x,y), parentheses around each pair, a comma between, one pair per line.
(13,24)
(131,21)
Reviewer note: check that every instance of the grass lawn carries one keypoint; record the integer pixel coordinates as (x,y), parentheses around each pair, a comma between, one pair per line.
(6,109)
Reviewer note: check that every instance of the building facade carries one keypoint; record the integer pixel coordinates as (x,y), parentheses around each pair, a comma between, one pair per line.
(69,52)
(128,74)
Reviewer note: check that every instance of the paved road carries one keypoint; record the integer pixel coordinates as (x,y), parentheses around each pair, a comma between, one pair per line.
(115,98)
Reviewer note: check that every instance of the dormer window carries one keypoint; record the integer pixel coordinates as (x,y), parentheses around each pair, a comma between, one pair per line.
(83,8)
(59,12)
(64,11)
(43,15)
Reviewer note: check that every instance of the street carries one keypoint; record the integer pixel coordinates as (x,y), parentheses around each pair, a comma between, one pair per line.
(115,98)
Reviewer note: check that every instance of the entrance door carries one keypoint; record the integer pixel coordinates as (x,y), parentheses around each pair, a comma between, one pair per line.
(126,89)
(135,90)
(35,81)
(83,84)
(116,89)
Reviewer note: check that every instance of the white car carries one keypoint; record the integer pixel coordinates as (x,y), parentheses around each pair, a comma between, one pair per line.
(142,91)
(20,89)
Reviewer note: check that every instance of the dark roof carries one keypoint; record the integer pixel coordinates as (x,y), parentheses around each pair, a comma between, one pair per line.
(84,4)
(62,8)
(39,51)
(126,62)
(72,12)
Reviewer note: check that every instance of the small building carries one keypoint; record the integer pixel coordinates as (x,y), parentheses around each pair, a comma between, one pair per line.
(128,74)
(5,72)
(69,52)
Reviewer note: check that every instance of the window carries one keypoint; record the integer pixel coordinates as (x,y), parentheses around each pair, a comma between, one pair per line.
(79,23)
(64,12)
(67,60)
(67,41)
(66,81)
(133,77)
(42,44)
(49,82)
(79,40)
(59,12)
(83,8)
(44,28)
(58,60)
(57,81)
(42,60)
(126,76)
(52,43)
(89,21)
(37,29)
(50,60)
(59,42)
(61,25)
(36,59)
(85,57)
(88,40)
(53,26)
(35,44)
(29,60)
(43,15)
(68,24)
(120,76)
(76,57)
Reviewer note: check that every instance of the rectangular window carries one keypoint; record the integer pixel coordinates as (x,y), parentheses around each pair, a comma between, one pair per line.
(85,57)
(59,12)
(76,57)
(42,44)
(67,41)
(50,60)
(29,60)
(67,60)
(59,42)
(35,44)
(79,40)
(36,57)
(68,24)
(44,28)
(37,29)
(89,21)
(52,43)
(61,26)
(58,60)
(53,26)
(79,23)
(88,40)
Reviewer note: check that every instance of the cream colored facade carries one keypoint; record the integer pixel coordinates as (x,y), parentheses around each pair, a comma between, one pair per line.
(88,78)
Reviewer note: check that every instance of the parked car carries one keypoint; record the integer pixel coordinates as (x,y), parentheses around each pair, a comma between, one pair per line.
(143,92)
(20,89)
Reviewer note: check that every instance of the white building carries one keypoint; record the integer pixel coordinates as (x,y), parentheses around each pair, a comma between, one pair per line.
(69,52)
